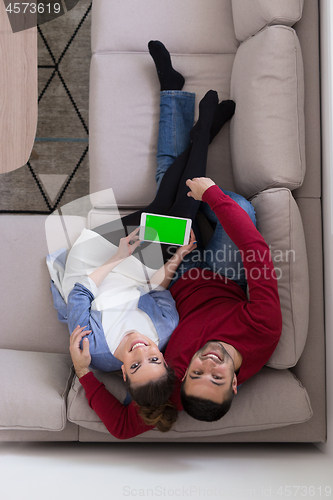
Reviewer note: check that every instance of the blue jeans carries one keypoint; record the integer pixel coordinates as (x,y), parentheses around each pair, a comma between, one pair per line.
(176,121)
(220,255)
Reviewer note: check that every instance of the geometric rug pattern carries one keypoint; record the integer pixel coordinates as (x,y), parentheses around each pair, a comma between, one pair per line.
(58,170)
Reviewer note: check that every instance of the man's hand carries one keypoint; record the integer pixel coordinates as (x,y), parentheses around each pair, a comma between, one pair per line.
(198,186)
(186,249)
(81,358)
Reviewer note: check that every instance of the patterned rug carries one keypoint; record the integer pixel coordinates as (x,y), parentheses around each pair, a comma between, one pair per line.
(57,171)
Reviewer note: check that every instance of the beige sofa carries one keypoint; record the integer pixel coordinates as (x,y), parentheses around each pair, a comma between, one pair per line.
(270,153)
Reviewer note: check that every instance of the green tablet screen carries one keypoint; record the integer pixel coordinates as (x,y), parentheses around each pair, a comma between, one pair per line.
(165,229)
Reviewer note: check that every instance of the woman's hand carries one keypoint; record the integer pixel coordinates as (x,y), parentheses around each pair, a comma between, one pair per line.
(128,245)
(164,275)
(198,186)
(126,248)
(81,357)
(186,249)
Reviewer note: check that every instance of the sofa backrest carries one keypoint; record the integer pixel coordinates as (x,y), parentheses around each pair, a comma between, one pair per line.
(252,16)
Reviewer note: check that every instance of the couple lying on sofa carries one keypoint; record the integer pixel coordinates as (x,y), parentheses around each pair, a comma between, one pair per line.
(212,336)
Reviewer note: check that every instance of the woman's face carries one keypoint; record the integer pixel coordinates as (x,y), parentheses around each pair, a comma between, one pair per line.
(142,359)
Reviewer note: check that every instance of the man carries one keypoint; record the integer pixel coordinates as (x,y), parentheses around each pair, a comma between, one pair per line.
(223,338)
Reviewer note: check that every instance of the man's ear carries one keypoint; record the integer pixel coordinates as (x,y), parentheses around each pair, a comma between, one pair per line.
(124,373)
(165,363)
(185,375)
(234,384)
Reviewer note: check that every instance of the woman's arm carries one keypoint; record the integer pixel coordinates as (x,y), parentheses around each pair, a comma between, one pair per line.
(126,248)
(165,274)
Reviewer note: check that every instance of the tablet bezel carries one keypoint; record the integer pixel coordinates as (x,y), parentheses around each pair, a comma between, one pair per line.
(187,233)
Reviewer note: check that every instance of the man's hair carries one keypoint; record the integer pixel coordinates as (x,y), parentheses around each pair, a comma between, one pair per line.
(205,409)
(153,399)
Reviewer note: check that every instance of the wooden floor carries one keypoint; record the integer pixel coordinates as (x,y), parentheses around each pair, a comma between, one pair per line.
(18,93)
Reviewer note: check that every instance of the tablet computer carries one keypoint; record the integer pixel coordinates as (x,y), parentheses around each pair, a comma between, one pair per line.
(165,229)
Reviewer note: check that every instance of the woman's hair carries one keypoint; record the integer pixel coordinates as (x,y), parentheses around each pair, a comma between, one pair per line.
(153,399)
(162,416)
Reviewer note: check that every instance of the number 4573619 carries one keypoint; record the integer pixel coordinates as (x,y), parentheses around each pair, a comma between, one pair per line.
(32,8)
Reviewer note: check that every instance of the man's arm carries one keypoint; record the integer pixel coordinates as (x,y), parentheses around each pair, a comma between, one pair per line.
(263,308)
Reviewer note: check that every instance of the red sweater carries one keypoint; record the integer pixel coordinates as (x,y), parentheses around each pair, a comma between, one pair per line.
(211,307)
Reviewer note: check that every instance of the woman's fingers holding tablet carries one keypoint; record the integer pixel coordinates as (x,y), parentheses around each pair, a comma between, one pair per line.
(186,249)
(133,243)
(134,233)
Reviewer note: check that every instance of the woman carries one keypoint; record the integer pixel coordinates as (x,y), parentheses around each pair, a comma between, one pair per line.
(132,332)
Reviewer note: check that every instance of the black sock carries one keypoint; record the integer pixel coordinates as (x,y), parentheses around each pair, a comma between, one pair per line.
(207,109)
(169,78)
(224,111)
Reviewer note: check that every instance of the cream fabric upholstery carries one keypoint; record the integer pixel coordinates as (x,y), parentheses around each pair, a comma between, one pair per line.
(251,16)
(259,404)
(186,27)
(124,100)
(78,409)
(280,223)
(28,319)
(125,141)
(267,131)
(33,390)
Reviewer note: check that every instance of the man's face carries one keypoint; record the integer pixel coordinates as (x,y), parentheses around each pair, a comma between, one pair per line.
(210,373)
(142,359)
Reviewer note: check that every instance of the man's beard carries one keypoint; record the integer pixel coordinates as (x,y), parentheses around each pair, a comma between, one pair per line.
(214,345)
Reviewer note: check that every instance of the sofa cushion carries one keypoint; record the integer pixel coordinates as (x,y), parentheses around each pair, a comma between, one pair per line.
(33,390)
(25,288)
(185,27)
(267,130)
(251,17)
(260,404)
(62,230)
(280,223)
(123,121)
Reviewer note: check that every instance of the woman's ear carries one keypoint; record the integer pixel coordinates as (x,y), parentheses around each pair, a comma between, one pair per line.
(124,373)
